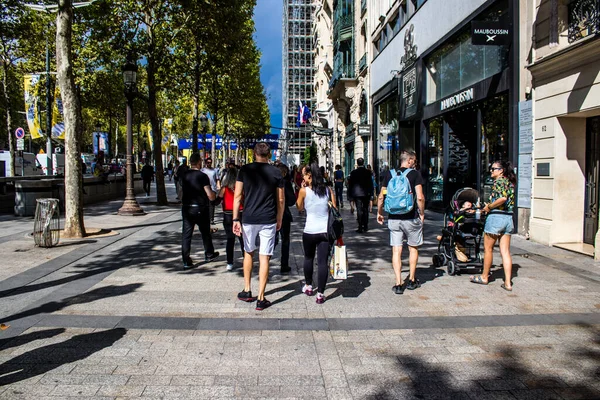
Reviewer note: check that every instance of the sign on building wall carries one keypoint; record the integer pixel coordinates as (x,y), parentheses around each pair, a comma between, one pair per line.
(525,150)
(410,93)
(489,33)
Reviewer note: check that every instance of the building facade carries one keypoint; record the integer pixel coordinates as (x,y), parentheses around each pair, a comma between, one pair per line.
(297,75)
(348,86)
(565,60)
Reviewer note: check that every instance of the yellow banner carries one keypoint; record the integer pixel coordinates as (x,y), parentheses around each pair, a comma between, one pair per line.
(58,123)
(31,83)
(150,140)
(167,128)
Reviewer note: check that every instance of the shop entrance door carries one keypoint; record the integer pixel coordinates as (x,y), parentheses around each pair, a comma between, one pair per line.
(460,137)
(592,179)
(349,159)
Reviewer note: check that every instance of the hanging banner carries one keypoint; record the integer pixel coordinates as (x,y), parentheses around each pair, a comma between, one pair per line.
(150,140)
(31,84)
(58,123)
(166,137)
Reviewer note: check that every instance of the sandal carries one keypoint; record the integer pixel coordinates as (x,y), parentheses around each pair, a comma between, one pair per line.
(508,289)
(477,279)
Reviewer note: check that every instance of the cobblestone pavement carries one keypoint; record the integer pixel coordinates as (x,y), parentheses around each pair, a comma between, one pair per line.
(117,317)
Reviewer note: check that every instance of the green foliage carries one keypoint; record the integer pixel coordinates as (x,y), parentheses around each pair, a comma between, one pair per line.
(310,154)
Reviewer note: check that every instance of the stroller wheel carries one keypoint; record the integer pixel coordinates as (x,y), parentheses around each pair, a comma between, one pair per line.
(444,259)
(451,268)
(436,260)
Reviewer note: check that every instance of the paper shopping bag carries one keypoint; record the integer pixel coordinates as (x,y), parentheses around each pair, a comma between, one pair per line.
(339,263)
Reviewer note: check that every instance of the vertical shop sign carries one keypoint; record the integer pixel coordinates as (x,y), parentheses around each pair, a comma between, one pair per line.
(525,150)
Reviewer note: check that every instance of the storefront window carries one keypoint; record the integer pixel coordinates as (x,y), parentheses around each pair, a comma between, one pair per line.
(435,187)
(387,130)
(494,139)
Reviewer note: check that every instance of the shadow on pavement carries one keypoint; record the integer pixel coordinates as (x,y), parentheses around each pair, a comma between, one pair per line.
(43,359)
(354,286)
(29,337)
(88,297)
(506,375)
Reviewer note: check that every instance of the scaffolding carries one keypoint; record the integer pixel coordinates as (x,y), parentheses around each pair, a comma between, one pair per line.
(297,75)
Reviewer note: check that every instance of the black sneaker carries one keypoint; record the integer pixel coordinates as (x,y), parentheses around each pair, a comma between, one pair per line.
(285,270)
(262,304)
(398,289)
(246,296)
(211,257)
(412,285)
(188,264)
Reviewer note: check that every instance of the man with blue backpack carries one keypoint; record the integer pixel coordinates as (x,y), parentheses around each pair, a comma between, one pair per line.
(402,198)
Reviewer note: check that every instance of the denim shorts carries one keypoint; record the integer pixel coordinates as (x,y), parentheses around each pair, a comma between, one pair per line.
(499,224)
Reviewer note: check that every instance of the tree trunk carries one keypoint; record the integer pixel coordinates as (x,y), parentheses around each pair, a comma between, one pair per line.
(161,193)
(196,105)
(73,121)
(10,138)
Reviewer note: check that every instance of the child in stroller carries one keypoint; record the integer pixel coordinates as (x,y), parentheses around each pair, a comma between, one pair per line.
(460,242)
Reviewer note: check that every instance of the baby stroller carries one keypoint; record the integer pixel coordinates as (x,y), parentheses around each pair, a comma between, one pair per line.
(460,242)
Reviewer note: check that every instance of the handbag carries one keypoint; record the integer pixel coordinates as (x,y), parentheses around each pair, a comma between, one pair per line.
(339,262)
(335,223)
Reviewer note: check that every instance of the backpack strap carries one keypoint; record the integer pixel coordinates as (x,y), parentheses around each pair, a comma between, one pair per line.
(405,173)
(393,172)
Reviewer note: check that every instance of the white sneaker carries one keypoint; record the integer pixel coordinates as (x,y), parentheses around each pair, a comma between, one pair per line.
(307,289)
(229,267)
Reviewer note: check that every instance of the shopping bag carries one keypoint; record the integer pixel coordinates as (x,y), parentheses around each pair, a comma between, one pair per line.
(339,262)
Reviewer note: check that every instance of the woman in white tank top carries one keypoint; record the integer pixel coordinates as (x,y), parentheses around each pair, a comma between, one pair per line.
(314,198)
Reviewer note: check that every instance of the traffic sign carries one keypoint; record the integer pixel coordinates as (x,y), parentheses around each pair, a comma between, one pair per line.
(20,133)
(20,144)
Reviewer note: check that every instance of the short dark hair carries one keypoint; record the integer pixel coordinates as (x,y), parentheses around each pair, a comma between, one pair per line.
(195,159)
(338,166)
(360,162)
(208,159)
(262,149)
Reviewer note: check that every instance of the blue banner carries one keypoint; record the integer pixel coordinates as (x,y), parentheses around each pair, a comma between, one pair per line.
(271,139)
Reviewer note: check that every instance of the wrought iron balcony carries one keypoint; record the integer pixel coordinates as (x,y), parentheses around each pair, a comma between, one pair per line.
(362,64)
(342,71)
(584,19)
(342,27)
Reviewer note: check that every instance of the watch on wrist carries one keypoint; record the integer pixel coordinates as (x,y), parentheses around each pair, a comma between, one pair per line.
(236,220)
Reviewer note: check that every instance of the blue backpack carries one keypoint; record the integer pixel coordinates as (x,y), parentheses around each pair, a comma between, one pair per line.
(399,198)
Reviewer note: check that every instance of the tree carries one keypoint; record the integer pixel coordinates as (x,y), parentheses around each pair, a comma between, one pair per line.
(310,154)
(72,116)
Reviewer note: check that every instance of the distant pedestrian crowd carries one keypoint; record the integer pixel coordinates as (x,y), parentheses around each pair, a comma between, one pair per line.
(256,200)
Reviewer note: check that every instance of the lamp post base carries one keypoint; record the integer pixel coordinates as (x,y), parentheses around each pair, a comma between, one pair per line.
(131,207)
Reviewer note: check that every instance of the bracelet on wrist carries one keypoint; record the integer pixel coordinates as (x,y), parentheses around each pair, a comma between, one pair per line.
(236,220)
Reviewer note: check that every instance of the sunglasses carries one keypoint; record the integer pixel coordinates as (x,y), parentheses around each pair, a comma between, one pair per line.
(495,169)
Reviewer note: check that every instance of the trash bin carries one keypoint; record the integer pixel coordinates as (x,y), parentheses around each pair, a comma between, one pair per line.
(46,226)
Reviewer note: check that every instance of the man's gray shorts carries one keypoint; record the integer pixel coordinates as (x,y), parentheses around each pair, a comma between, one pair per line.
(410,230)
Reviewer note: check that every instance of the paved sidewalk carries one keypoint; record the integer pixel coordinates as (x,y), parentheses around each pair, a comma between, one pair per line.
(117,317)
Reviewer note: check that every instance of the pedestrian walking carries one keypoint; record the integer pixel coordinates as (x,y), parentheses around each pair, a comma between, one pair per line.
(170,170)
(261,186)
(226,193)
(314,198)
(176,178)
(286,225)
(338,177)
(361,188)
(147,176)
(499,222)
(179,173)
(407,223)
(197,194)
(214,184)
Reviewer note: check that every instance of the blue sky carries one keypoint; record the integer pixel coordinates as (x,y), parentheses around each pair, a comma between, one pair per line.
(267,19)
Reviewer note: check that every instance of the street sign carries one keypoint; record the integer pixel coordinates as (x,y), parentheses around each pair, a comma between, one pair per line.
(20,133)
(364,130)
(20,144)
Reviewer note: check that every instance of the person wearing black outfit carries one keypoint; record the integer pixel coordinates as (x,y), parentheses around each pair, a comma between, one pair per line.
(286,226)
(361,189)
(338,177)
(197,194)
(147,175)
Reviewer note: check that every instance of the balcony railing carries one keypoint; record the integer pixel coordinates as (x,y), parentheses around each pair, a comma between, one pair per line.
(342,71)
(342,27)
(362,64)
(584,19)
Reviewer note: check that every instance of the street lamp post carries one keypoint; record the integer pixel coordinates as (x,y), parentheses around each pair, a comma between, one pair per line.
(204,125)
(130,205)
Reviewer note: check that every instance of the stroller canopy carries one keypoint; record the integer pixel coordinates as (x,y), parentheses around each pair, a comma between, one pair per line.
(462,195)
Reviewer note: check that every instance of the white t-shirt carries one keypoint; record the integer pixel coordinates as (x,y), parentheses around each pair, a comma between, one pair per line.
(317,212)
(212,177)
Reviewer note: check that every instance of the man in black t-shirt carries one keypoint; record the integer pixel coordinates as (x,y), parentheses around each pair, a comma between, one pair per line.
(147,175)
(261,187)
(197,194)
(361,189)
(407,226)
